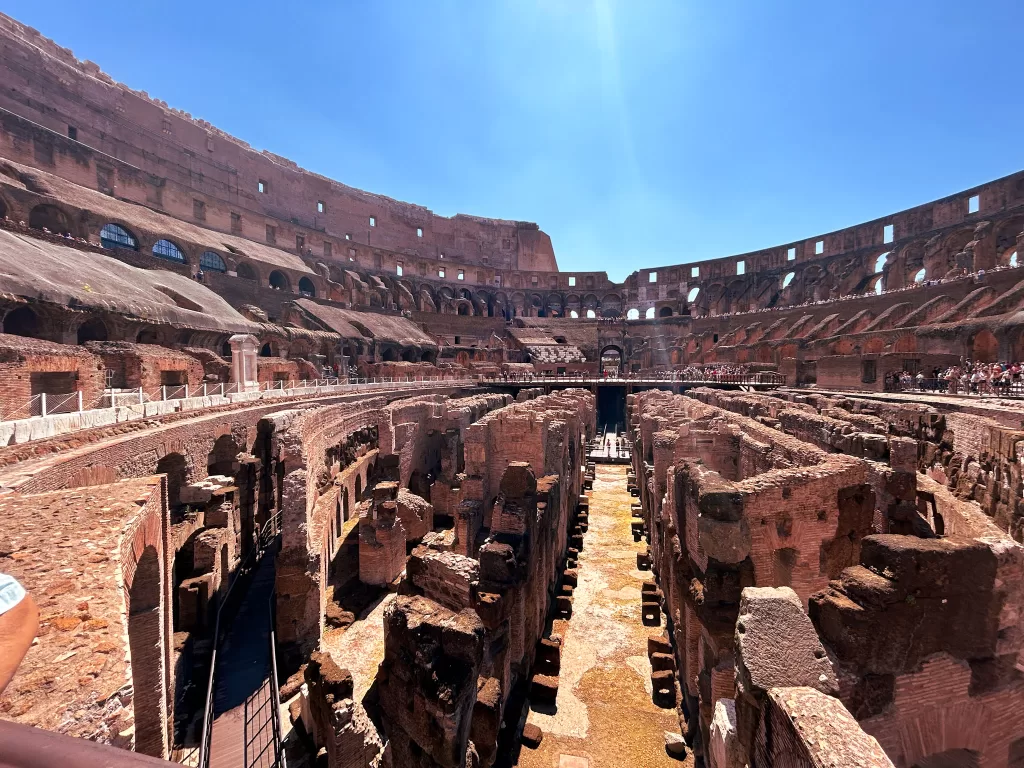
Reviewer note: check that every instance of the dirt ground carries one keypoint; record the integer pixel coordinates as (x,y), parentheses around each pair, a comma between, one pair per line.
(604,716)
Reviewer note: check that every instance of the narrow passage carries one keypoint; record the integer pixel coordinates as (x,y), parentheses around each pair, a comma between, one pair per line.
(604,716)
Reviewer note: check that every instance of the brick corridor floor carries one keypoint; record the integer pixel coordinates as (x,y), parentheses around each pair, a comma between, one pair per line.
(604,710)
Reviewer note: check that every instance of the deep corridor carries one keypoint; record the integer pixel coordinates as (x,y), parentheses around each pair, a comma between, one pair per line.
(605,678)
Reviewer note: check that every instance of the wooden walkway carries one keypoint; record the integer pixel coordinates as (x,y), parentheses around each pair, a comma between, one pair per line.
(243,726)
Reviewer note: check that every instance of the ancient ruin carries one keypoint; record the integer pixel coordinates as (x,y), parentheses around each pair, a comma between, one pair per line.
(284,492)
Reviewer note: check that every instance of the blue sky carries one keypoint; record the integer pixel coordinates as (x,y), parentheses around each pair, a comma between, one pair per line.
(636,133)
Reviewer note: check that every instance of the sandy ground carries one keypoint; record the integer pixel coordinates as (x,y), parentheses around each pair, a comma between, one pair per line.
(604,715)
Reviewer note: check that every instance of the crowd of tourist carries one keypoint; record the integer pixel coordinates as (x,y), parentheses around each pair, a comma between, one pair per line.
(969,378)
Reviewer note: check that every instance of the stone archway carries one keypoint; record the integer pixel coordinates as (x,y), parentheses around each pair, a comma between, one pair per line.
(144,635)
(984,347)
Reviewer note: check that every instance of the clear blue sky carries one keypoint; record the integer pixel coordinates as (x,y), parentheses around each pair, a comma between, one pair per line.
(635,132)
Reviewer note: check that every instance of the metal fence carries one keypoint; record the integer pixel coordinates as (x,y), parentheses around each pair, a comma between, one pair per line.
(46,404)
(955,387)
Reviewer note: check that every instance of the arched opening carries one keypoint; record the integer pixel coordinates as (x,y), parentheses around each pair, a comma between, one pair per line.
(225,350)
(3,209)
(173,465)
(266,350)
(879,286)
(574,314)
(22,322)
(409,355)
(212,262)
(693,293)
(279,281)
(92,330)
(951,758)
(633,314)
(591,314)
(984,347)
(665,312)
(144,635)
(147,336)
(344,504)
(880,262)
(165,249)
(306,287)
(611,361)
(919,277)
(389,355)
(359,488)
(48,217)
(245,271)
(649,314)
(223,457)
(1013,259)
(463,308)
(116,236)
(788,279)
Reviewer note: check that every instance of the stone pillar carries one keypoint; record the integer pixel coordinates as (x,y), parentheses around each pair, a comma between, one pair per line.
(243,362)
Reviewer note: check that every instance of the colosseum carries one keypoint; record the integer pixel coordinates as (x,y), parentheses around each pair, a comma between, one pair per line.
(294,473)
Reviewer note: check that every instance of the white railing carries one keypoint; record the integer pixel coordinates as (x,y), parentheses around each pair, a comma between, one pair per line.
(45,404)
(750,379)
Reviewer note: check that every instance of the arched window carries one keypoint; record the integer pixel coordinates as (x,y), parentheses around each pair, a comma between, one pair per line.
(116,236)
(649,314)
(573,313)
(279,281)
(693,293)
(48,217)
(212,262)
(591,314)
(165,249)
(919,277)
(92,330)
(880,261)
(23,321)
(633,314)
(245,271)
(306,287)
(788,279)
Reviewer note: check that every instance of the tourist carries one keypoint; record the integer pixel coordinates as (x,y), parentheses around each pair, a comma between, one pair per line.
(19,620)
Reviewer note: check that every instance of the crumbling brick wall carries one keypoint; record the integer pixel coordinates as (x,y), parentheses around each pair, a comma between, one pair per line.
(24,364)
(505,586)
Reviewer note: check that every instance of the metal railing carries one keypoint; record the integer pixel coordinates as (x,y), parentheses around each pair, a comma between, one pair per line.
(1013,389)
(46,404)
(263,541)
(750,379)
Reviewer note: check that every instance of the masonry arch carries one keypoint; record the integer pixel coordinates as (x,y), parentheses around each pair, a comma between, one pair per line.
(649,314)
(223,457)
(93,329)
(245,271)
(306,287)
(49,217)
(22,321)
(633,314)
(665,312)
(176,468)
(984,347)
(144,636)
(920,275)
(279,281)
(116,236)
(611,358)
(211,261)
(389,355)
